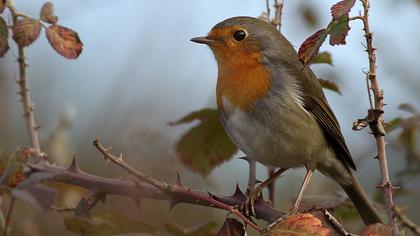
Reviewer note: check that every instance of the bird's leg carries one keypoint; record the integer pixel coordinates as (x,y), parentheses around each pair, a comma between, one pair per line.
(305,183)
(252,176)
(254,194)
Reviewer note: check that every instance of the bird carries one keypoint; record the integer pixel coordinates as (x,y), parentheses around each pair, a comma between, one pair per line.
(274,109)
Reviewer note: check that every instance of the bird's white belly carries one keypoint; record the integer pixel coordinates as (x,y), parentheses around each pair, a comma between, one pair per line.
(281,144)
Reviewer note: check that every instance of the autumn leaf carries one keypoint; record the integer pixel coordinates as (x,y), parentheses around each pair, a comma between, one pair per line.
(26,31)
(47,13)
(231,227)
(4,35)
(341,9)
(311,45)
(322,58)
(304,224)
(65,41)
(377,230)
(326,84)
(408,108)
(339,31)
(207,144)
(309,15)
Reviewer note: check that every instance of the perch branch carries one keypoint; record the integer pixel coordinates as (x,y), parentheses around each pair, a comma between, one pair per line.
(175,189)
(378,129)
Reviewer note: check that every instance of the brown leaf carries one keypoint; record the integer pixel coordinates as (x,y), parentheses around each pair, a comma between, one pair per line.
(309,15)
(342,8)
(65,41)
(339,31)
(4,35)
(408,108)
(2,5)
(232,227)
(377,230)
(47,13)
(311,45)
(326,84)
(304,224)
(26,31)
(393,124)
(206,145)
(322,57)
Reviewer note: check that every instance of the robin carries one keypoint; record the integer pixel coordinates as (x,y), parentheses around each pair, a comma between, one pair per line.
(274,109)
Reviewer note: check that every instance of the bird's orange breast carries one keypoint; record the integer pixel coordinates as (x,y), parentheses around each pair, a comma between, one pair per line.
(242,79)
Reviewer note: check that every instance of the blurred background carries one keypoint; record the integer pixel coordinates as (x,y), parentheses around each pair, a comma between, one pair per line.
(138,71)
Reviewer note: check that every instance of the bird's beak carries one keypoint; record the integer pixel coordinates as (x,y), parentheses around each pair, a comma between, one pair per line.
(203,40)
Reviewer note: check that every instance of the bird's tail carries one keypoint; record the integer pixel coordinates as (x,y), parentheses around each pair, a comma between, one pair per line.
(364,206)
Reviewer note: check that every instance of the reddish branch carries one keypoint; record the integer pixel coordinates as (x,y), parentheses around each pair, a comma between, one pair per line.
(378,129)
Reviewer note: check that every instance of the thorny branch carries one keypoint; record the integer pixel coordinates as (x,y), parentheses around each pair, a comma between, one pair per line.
(175,189)
(377,128)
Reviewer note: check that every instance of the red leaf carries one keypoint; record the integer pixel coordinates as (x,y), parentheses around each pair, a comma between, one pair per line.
(311,45)
(4,35)
(339,31)
(232,227)
(47,13)
(342,8)
(65,41)
(377,230)
(26,31)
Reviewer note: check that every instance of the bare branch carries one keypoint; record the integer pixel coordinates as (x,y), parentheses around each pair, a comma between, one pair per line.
(379,123)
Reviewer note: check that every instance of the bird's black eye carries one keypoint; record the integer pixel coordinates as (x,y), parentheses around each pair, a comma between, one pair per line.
(239,35)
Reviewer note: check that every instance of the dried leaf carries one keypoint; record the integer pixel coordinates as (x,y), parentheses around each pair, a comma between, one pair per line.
(339,31)
(26,31)
(231,227)
(4,35)
(341,8)
(206,145)
(65,41)
(377,230)
(47,13)
(326,84)
(408,108)
(304,224)
(322,57)
(311,45)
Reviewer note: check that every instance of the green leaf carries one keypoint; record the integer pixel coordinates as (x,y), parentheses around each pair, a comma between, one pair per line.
(204,230)
(311,45)
(4,35)
(393,124)
(207,144)
(47,13)
(105,224)
(339,31)
(326,84)
(322,57)
(341,8)
(304,224)
(26,31)
(408,108)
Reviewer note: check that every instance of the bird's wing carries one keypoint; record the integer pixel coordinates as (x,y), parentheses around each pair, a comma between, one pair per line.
(316,103)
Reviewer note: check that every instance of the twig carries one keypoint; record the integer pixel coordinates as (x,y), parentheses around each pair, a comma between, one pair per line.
(278,6)
(336,223)
(9,216)
(28,106)
(407,222)
(379,136)
(267,4)
(175,189)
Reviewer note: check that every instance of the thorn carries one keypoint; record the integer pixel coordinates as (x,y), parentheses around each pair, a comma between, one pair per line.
(178,179)
(246,158)
(74,167)
(120,157)
(172,203)
(376,157)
